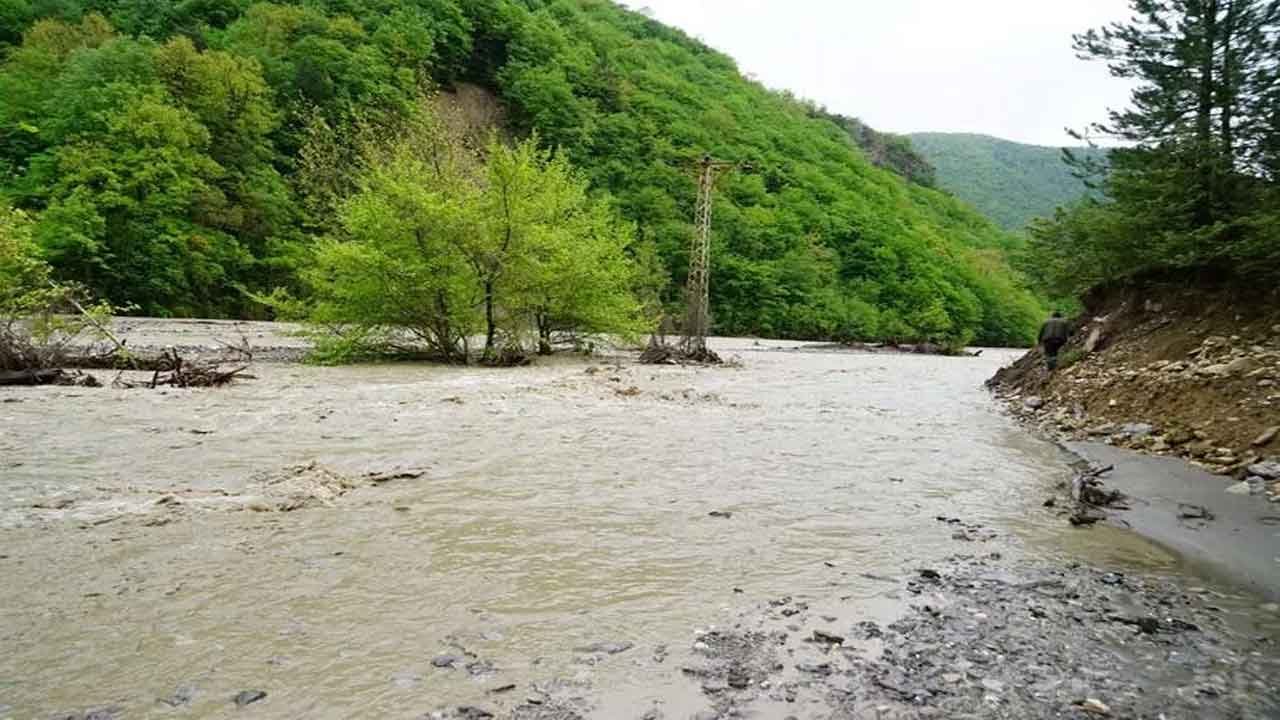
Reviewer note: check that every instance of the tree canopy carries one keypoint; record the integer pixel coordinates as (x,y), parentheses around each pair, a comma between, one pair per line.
(1198,184)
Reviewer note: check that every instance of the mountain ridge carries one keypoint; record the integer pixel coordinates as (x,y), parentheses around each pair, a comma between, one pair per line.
(1010,182)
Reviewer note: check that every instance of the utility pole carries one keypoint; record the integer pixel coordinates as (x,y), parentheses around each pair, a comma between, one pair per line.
(697,319)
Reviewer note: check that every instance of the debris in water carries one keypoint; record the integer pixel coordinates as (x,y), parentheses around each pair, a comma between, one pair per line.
(248,697)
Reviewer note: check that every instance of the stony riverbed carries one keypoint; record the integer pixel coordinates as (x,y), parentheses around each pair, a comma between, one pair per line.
(589,538)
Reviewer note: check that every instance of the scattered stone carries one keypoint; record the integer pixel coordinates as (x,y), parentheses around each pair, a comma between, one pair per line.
(815,668)
(1051,502)
(725,514)
(1267,437)
(1241,366)
(1095,707)
(1215,371)
(928,574)
(248,697)
(1034,402)
(1240,488)
(502,689)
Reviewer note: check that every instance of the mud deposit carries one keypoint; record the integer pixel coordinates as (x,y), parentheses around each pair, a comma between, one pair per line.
(583,539)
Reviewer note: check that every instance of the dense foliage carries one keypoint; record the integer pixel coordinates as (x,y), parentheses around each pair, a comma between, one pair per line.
(1009,182)
(440,242)
(1199,186)
(161,148)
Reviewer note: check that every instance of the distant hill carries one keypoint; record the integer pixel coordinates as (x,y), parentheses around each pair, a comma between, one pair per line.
(1009,182)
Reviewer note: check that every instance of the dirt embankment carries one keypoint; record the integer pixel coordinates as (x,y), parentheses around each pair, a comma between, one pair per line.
(1175,366)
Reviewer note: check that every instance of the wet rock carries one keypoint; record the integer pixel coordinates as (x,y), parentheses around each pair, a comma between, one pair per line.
(248,697)
(1269,470)
(1095,707)
(826,638)
(1194,512)
(1136,430)
(180,697)
(605,648)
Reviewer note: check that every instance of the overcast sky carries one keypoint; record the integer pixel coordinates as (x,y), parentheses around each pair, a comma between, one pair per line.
(999,67)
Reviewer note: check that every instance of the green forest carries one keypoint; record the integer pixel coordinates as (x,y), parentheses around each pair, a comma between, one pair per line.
(1009,182)
(1193,190)
(206,157)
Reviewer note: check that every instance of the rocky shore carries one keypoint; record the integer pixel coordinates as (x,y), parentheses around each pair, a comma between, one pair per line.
(981,638)
(1188,374)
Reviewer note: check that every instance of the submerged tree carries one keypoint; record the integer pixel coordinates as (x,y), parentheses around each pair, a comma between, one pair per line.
(439,242)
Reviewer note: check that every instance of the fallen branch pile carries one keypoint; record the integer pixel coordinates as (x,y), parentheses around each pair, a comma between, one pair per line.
(172,370)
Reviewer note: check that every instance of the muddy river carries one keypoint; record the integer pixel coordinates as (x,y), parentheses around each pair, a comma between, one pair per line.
(325,535)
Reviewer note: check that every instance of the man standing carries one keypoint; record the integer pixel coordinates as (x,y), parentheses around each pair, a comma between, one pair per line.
(1053,336)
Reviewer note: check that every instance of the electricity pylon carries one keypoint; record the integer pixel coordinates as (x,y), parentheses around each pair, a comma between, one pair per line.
(697,319)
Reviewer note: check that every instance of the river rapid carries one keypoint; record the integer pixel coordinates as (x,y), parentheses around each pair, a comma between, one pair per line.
(326,535)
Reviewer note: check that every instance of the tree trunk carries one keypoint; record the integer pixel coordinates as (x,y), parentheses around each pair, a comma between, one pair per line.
(1204,110)
(1229,87)
(491,326)
(544,335)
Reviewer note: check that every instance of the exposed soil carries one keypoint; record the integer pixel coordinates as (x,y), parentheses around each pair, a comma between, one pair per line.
(1168,368)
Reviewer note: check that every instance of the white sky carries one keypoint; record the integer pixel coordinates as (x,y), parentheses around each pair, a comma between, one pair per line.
(998,67)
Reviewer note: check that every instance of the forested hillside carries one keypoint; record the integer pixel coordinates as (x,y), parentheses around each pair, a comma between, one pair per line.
(1010,182)
(165,155)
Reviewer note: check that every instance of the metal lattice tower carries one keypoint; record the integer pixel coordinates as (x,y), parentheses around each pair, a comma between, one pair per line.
(698,291)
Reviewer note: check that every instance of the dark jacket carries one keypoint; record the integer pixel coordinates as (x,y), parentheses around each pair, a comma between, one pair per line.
(1056,331)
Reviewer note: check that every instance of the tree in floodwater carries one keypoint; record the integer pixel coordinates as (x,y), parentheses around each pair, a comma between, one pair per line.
(440,241)
(1196,183)
(40,320)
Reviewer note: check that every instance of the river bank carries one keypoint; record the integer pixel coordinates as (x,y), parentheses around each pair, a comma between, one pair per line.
(1179,369)
(582,538)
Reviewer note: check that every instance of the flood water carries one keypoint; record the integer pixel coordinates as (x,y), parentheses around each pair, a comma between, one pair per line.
(557,506)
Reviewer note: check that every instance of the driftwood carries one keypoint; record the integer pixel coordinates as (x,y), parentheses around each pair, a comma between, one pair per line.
(47,376)
(172,370)
(1091,497)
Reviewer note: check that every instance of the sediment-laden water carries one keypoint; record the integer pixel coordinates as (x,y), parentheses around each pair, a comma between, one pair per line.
(325,534)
